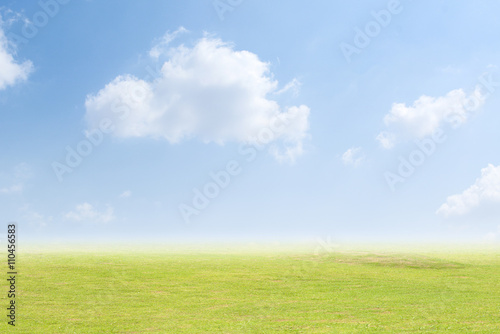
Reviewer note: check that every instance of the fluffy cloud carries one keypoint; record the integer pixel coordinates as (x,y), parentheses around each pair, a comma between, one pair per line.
(353,157)
(208,91)
(11,71)
(427,114)
(87,213)
(485,189)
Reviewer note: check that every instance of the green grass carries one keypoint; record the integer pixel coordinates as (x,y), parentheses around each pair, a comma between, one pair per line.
(182,290)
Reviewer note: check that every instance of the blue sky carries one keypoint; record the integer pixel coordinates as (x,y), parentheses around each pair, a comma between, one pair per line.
(249,119)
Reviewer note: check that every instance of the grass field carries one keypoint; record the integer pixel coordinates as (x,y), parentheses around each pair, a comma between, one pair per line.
(257,290)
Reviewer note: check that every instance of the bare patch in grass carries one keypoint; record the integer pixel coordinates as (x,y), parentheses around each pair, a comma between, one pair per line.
(395,260)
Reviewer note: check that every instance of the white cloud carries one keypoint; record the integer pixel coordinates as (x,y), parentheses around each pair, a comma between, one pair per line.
(23,171)
(293,85)
(36,219)
(209,91)
(126,194)
(17,179)
(485,189)
(14,189)
(427,115)
(11,70)
(161,46)
(386,139)
(451,69)
(353,157)
(287,153)
(85,212)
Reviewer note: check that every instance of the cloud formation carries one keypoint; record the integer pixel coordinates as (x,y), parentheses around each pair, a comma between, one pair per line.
(11,70)
(86,213)
(353,157)
(485,189)
(427,114)
(208,91)
(35,219)
(386,139)
(161,47)
(15,181)
(126,194)
(14,189)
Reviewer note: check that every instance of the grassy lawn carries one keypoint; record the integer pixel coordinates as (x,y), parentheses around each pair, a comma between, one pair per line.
(209,290)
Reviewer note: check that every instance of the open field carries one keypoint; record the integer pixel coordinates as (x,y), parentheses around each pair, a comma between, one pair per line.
(270,290)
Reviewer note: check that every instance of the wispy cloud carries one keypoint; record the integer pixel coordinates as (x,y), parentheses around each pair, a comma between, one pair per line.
(15,179)
(36,219)
(293,86)
(161,47)
(126,194)
(353,157)
(86,213)
(387,140)
(15,189)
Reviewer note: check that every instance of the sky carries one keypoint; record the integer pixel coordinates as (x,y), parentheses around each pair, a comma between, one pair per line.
(238,119)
